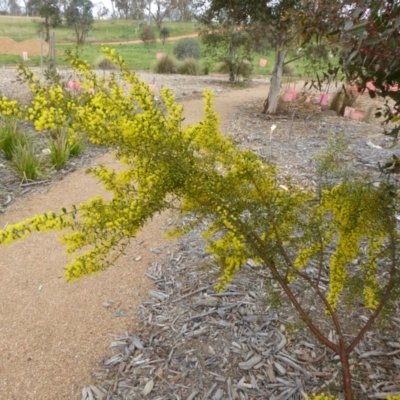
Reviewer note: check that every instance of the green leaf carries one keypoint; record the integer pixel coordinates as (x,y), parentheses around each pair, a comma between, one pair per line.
(348,25)
(352,55)
(357,29)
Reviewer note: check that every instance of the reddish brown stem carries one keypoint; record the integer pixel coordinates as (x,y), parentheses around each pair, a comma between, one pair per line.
(291,296)
(346,373)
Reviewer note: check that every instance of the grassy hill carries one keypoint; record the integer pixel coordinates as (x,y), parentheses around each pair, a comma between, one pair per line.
(23,28)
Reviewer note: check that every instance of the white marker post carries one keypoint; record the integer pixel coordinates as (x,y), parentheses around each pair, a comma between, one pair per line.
(273,127)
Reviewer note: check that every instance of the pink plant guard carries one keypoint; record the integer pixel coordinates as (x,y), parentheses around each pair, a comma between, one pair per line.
(348,111)
(323,99)
(287,97)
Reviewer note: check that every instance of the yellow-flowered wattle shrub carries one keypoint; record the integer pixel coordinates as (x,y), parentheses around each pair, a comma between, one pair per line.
(345,235)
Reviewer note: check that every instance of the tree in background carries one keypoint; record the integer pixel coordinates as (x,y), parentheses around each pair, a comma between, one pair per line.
(10,7)
(159,10)
(123,8)
(164,34)
(63,4)
(148,36)
(14,7)
(225,32)
(185,11)
(138,10)
(32,7)
(267,18)
(51,14)
(79,15)
(101,11)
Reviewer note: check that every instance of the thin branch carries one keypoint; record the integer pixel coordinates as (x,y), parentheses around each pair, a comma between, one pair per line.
(255,242)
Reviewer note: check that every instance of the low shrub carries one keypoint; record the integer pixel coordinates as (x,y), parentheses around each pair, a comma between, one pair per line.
(26,164)
(166,65)
(189,66)
(187,48)
(243,68)
(59,151)
(288,69)
(10,135)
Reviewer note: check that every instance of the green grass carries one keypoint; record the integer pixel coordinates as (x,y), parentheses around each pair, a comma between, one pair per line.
(138,58)
(8,59)
(135,55)
(23,28)
(107,31)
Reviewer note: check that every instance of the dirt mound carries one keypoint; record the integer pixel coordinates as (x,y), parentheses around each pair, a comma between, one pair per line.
(31,46)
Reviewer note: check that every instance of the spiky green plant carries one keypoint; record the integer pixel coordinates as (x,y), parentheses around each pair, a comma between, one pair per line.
(10,135)
(26,164)
(59,151)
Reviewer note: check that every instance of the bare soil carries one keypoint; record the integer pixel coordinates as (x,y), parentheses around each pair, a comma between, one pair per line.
(31,46)
(54,334)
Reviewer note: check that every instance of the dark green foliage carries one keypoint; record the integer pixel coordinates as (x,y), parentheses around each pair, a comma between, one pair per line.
(242,68)
(231,48)
(164,34)
(187,48)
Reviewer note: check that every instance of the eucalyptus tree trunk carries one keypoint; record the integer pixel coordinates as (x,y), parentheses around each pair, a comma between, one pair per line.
(271,104)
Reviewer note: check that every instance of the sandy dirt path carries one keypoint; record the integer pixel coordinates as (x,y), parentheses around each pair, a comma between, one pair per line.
(52,334)
(136,41)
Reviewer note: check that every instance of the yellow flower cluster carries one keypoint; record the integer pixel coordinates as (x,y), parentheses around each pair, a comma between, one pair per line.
(356,216)
(40,223)
(10,107)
